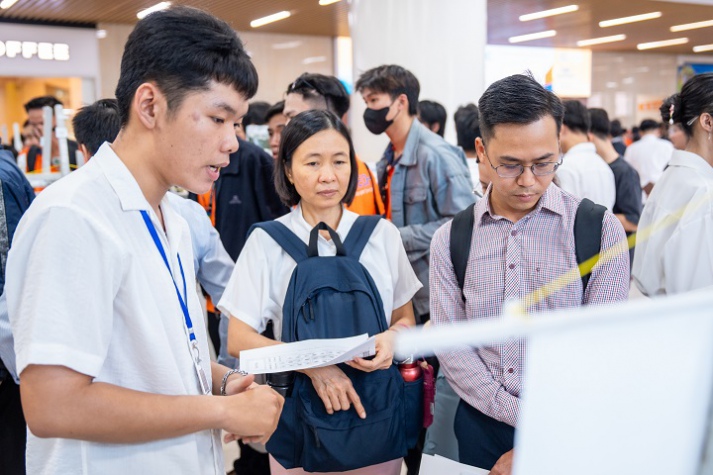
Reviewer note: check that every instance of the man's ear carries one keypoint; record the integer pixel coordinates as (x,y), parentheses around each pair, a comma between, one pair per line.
(403,101)
(148,105)
(85,151)
(480,149)
(435,127)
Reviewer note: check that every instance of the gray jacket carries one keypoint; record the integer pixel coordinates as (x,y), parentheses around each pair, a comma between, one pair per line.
(430,184)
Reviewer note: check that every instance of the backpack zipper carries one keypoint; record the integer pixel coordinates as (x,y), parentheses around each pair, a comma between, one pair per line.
(311,309)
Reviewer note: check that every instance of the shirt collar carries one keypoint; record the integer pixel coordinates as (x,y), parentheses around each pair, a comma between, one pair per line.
(550,200)
(304,228)
(681,158)
(121,180)
(408,157)
(584,147)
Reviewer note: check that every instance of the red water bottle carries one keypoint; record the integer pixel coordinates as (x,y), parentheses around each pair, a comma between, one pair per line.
(410,370)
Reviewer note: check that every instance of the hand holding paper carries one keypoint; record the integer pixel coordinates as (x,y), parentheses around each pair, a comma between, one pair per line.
(306,354)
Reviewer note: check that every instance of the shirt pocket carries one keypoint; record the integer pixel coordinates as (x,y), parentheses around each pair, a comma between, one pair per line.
(415,194)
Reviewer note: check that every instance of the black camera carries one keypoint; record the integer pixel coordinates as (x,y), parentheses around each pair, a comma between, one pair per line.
(281,382)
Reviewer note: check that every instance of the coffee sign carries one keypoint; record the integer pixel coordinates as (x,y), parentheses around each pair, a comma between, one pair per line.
(31,49)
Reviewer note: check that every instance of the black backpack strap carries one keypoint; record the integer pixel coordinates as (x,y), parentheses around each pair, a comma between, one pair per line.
(461,237)
(313,248)
(359,235)
(588,224)
(285,238)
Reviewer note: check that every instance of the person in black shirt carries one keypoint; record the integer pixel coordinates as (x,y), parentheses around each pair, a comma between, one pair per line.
(627,207)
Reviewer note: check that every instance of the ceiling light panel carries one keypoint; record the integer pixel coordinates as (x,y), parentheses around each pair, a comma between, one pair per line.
(156,8)
(548,13)
(702,48)
(5,4)
(661,44)
(270,19)
(532,36)
(602,40)
(630,19)
(692,26)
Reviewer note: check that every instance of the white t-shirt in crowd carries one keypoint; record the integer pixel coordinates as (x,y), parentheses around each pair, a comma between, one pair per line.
(677,255)
(649,157)
(258,286)
(87,289)
(585,174)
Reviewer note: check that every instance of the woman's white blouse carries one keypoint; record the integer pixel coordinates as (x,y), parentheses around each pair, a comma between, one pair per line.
(257,287)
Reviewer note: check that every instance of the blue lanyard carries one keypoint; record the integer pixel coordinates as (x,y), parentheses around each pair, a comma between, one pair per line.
(182,299)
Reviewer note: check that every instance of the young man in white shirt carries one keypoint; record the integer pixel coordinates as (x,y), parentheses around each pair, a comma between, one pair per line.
(649,155)
(111,350)
(583,173)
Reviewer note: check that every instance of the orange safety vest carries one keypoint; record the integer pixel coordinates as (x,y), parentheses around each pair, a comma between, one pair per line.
(207,201)
(367,199)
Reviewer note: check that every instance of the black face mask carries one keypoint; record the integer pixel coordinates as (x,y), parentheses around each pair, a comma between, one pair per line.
(375,120)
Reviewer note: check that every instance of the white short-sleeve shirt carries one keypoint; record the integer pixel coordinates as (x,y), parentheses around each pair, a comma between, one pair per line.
(649,157)
(674,246)
(585,174)
(258,286)
(88,289)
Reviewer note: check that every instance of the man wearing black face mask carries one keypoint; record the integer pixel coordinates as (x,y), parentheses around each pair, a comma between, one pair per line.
(424,180)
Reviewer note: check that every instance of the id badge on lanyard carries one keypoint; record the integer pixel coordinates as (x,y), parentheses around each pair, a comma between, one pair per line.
(182,300)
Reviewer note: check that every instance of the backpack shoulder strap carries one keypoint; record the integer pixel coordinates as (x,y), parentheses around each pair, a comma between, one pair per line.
(359,235)
(461,236)
(588,224)
(285,238)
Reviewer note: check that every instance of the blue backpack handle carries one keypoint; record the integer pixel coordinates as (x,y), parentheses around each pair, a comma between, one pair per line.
(359,235)
(313,250)
(285,238)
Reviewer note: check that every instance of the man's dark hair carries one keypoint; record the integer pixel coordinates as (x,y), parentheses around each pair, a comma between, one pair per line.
(394,81)
(517,99)
(296,132)
(316,87)
(432,112)
(600,125)
(467,119)
(616,129)
(576,117)
(256,113)
(182,50)
(40,102)
(97,123)
(276,108)
(695,98)
(648,124)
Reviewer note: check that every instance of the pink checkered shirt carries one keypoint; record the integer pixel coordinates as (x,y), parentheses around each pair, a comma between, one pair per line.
(509,261)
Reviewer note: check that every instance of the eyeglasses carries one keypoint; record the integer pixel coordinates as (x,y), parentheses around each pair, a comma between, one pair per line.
(514,171)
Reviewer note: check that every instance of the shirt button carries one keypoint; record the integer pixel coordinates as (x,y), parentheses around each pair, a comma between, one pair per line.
(513,233)
(510,370)
(512,266)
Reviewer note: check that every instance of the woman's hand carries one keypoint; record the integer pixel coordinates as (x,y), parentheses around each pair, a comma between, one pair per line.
(384,354)
(335,389)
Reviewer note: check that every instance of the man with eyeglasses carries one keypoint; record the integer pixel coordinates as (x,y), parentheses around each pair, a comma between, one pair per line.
(522,240)
(320,92)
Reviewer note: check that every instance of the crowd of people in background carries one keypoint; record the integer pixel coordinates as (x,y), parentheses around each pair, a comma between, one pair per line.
(116,374)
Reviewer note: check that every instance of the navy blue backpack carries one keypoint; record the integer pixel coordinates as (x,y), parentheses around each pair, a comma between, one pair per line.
(336,297)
